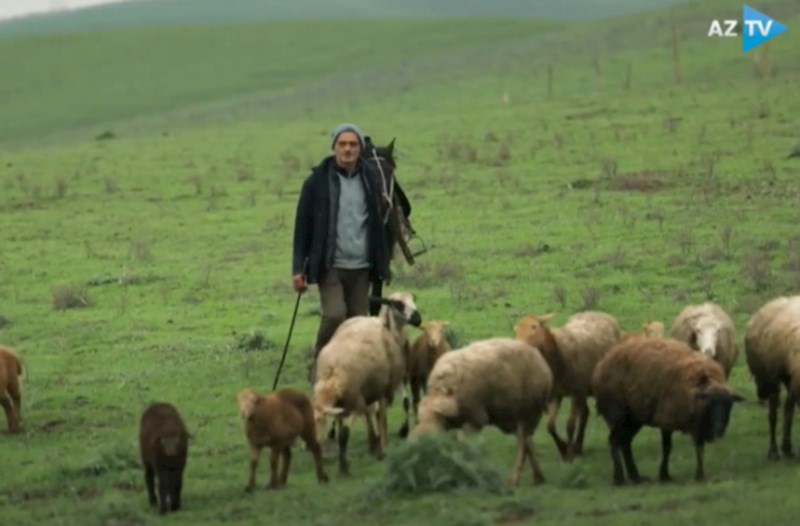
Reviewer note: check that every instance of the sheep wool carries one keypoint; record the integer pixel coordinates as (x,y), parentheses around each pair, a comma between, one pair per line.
(501,382)
(772,352)
(571,351)
(10,393)
(708,329)
(364,363)
(660,383)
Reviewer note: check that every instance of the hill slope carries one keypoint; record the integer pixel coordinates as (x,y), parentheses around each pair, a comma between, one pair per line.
(143,13)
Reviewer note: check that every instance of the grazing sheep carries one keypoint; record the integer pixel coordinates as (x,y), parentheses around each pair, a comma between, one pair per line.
(772,351)
(275,421)
(708,329)
(424,352)
(501,382)
(363,363)
(163,445)
(660,383)
(10,396)
(571,352)
(650,329)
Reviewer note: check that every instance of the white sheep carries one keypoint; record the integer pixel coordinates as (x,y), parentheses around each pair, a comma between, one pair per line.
(708,329)
(571,351)
(772,351)
(364,363)
(501,382)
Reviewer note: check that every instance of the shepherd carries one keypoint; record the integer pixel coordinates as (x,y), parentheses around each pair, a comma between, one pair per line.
(340,229)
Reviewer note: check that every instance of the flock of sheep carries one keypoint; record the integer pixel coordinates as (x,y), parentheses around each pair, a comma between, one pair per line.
(676,382)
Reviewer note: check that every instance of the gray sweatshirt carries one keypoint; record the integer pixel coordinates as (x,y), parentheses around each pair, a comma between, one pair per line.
(351,225)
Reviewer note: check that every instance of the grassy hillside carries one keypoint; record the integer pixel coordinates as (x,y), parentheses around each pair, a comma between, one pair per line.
(141,13)
(140,267)
(157,79)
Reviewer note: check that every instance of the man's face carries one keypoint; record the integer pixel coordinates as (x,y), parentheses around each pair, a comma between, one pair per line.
(346,149)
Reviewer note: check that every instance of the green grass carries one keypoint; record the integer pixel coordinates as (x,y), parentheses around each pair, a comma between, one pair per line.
(636,199)
(191,12)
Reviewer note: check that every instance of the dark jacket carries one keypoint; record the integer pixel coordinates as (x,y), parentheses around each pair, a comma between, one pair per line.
(315,221)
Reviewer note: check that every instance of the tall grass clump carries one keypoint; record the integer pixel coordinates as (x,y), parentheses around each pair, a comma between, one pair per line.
(440,463)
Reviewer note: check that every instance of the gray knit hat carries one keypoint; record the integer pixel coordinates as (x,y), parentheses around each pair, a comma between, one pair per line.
(347,127)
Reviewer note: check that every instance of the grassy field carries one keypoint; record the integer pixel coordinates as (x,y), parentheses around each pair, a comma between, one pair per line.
(138,265)
(145,13)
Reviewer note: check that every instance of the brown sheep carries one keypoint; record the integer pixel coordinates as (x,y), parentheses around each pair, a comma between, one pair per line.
(163,446)
(772,351)
(10,396)
(424,352)
(709,330)
(660,383)
(650,329)
(275,421)
(571,351)
(501,382)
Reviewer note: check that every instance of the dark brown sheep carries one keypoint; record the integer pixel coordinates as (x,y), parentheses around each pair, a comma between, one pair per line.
(276,420)
(660,383)
(10,397)
(163,445)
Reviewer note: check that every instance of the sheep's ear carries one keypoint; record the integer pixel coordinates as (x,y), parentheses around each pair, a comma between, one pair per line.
(333,411)
(546,317)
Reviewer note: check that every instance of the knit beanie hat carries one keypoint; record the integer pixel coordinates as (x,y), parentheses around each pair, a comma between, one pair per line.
(347,127)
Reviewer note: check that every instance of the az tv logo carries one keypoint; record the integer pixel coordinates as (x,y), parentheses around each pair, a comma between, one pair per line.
(758,28)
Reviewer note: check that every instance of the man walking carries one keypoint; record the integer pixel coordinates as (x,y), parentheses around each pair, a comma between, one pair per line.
(340,233)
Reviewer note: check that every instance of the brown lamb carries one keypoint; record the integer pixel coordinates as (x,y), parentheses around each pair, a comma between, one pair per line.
(10,396)
(660,383)
(275,421)
(163,445)
(425,351)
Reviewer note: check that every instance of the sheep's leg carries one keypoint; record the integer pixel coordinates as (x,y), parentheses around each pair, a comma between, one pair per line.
(16,399)
(344,435)
(583,420)
(516,470)
(538,477)
(163,490)
(251,481)
(788,414)
(287,461)
(383,428)
(150,482)
(373,440)
(552,414)
(699,474)
(404,429)
(313,446)
(177,487)
(774,401)
(616,458)
(11,419)
(274,480)
(630,429)
(666,449)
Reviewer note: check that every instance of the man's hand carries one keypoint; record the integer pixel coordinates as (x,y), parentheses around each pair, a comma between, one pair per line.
(299,283)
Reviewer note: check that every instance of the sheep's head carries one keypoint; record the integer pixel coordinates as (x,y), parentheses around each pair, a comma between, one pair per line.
(533,329)
(435,330)
(653,329)
(247,400)
(704,337)
(433,413)
(400,306)
(324,398)
(716,401)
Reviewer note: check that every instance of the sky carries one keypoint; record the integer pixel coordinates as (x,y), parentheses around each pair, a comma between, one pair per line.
(17,8)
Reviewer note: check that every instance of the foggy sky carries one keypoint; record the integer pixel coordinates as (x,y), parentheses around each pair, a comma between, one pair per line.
(16,8)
